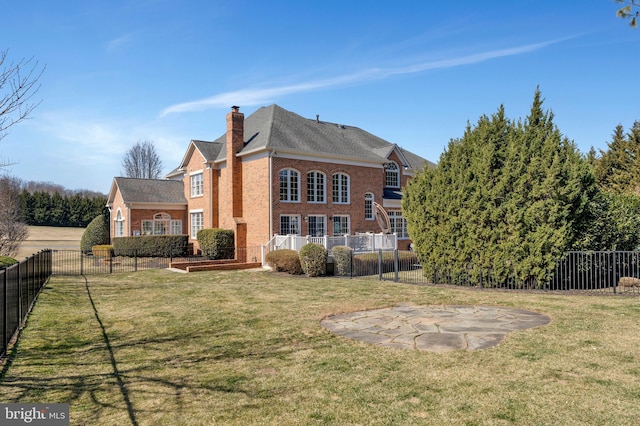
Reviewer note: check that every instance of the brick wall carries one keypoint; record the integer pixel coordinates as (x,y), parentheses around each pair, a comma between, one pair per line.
(362,180)
(210,192)
(256,200)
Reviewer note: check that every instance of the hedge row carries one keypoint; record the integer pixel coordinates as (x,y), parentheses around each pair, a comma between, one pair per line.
(151,246)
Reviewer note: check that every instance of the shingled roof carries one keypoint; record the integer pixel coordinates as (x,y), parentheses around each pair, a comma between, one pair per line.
(276,129)
(156,191)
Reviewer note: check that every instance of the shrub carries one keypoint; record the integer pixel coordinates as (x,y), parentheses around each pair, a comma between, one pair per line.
(284,260)
(6,261)
(217,243)
(342,260)
(313,258)
(151,246)
(103,250)
(97,233)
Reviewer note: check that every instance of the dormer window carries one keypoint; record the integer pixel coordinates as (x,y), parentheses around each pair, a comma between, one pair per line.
(392,175)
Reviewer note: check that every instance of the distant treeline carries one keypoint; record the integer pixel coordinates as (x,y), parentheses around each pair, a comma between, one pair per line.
(42,208)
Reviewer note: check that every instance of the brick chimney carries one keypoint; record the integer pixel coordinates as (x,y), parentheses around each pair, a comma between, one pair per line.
(235,143)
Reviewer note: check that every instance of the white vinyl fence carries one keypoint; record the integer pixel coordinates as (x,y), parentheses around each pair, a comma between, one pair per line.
(360,243)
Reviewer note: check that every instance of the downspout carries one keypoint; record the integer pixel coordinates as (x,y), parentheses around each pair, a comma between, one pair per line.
(270,196)
(129,221)
(211,196)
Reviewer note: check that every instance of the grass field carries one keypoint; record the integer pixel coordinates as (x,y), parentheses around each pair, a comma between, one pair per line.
(247,348)
(42,237)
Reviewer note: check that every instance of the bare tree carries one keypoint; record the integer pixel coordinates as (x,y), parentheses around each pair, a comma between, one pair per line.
(12,230)
(627,11)
(19,82)
(142,161)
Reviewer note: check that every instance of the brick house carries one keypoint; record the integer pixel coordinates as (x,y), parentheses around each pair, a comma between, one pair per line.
(273,173)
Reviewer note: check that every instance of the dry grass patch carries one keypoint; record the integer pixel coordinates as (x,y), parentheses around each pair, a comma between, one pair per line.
(244,348)
(44,237)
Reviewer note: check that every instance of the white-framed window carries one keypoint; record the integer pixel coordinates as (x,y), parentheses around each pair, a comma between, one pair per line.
(119,224)
(341,188)
(391,175)
(317,225)
(341,225)
(398,224)
(316,187)
(162,224)
(197,184)
(289,224)
(196,223)
(368,206)
(289,185)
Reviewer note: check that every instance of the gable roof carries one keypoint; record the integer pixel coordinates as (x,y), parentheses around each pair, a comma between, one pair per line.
(276,129)
(273,128)
(210,151)
(152,191)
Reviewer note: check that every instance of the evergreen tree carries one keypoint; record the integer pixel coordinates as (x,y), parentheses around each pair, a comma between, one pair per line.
(618,168)
(59,210)
(42,208)
(27,207)
(508,196)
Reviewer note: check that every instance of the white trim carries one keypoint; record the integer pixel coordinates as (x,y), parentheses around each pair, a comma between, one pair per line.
(373,199)
(340,195)
(324,184)
(191,233)
(195,172)
(290,216)
(325,222)
(396,171)
(289,192)
(271,200)
(333,221)
(192,187)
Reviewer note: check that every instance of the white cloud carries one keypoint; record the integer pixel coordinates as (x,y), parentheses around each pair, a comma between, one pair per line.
(118,43)
(259,96)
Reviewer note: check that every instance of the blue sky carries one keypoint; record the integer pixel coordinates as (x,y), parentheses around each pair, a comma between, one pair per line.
(411,72)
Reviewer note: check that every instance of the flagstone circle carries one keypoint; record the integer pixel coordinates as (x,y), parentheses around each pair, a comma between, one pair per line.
(434,328)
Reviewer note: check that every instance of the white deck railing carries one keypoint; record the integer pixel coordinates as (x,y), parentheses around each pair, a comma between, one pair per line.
(360,243)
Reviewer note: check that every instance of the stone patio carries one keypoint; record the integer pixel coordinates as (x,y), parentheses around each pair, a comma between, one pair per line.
(435,328)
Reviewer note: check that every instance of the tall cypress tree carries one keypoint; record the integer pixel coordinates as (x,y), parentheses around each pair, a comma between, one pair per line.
(618,168)
(507,195)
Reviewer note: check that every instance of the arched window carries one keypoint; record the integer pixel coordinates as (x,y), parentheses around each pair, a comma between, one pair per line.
(368,206)
(119,225)
(391,175)
(289,185)
(341,188)
(316,187)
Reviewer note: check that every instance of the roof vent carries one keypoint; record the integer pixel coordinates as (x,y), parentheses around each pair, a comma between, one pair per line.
(235,108)
(317,118)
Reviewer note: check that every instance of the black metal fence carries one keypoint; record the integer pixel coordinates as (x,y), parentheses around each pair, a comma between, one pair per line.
(591,272)
(20,285)
(75,262)
(608,271)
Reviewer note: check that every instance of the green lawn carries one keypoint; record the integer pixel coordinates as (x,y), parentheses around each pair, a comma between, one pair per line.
(242,348)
